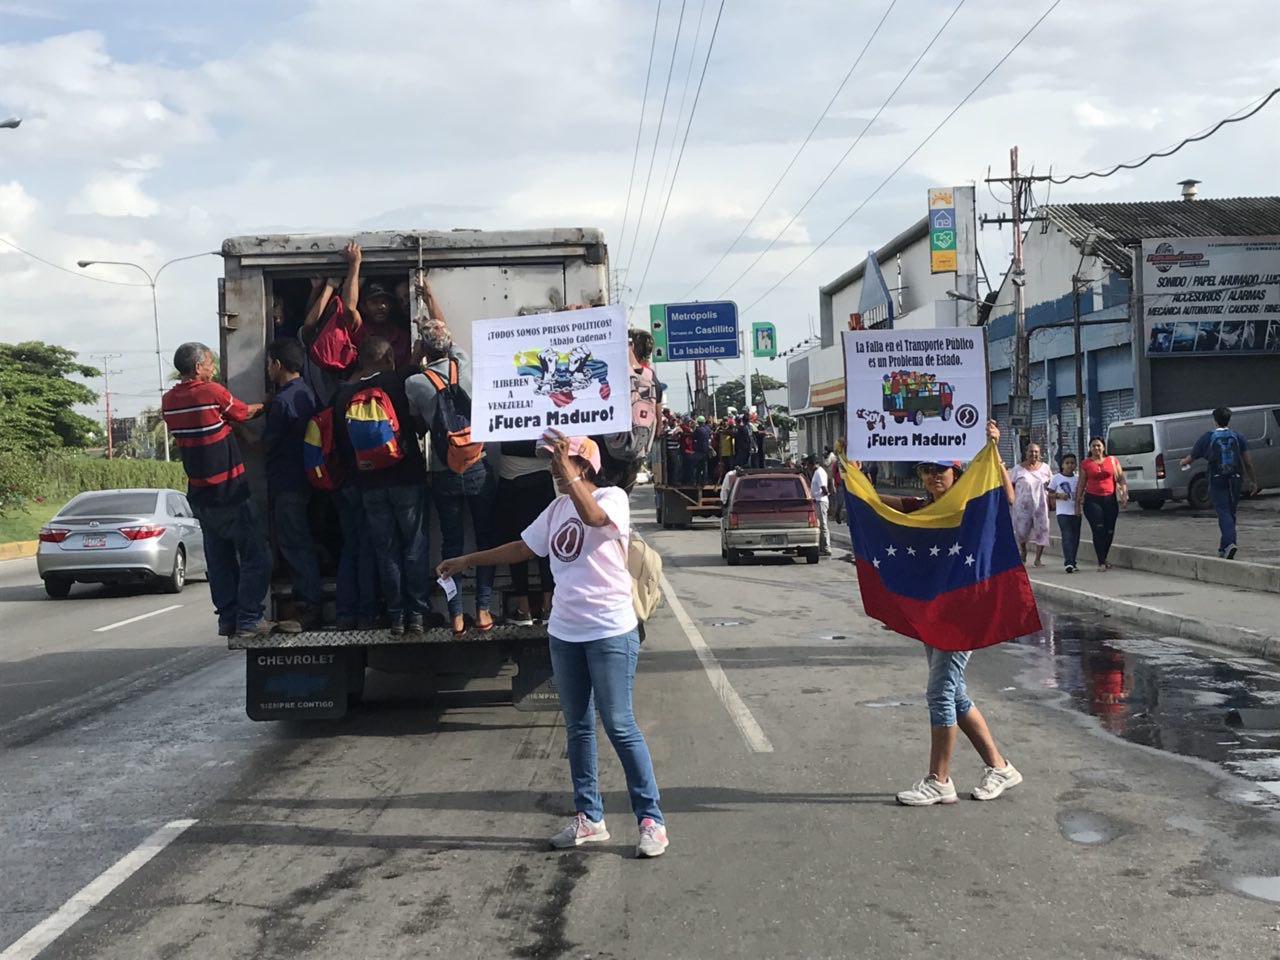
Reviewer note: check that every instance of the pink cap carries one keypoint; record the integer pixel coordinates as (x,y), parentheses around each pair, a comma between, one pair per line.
(583,447)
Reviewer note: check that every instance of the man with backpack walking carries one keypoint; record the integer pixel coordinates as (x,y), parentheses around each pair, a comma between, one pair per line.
(1227,452)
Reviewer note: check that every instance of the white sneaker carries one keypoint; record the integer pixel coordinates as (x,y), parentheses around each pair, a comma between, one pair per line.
(653,839)
(581,829)
(996,781)
(928,792)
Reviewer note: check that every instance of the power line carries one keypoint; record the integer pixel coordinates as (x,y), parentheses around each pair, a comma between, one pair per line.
(644,102)
(692,111)
(74,273)
(907,159)
(812,131)
(1172,150)
(644,197)
(832,172)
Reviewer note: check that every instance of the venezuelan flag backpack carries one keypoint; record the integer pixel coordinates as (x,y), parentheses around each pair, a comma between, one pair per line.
(374,429)
(320,458)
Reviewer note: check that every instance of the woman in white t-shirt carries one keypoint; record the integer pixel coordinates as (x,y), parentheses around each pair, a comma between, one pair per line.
(594,635)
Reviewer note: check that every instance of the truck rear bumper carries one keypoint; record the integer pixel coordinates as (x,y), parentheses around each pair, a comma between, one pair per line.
(772,539)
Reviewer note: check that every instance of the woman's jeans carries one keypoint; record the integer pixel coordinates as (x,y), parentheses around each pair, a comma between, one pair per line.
(1102,513)
(946,694)
(474,490)
(599,673)
(1069,524)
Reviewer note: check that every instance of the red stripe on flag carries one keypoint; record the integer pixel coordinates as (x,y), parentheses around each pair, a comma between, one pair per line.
(988,612)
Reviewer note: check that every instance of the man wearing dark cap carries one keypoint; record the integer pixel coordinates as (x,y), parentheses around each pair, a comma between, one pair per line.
(374,310)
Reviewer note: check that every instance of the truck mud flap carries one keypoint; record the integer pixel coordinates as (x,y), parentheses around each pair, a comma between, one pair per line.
(534,687)
(298,683)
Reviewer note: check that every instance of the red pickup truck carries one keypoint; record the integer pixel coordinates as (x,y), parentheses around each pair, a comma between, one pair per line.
(769,510)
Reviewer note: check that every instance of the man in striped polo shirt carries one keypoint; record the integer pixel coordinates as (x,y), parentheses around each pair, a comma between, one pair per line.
(199,413)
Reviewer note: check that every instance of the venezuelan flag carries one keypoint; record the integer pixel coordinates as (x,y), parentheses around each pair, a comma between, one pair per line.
(950,573)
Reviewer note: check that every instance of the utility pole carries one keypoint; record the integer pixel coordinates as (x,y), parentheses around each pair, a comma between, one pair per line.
(106,358)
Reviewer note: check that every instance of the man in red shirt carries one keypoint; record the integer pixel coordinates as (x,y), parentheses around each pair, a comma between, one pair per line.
(199,413)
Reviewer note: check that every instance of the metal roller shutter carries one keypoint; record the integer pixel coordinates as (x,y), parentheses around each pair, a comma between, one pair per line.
(1040,425)
(1116,405)
(1067,424)
(1000,414)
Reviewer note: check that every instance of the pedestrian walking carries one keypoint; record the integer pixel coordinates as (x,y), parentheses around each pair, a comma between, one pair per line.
(1031,502)
(1227,452)
(1101,493)
(594,636)
(1062,490)
(950,708)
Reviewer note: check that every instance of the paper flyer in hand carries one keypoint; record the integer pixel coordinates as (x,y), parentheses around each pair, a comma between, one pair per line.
(566,371)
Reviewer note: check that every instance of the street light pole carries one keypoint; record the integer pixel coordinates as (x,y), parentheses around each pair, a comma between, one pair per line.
(155,311)
(1086,250)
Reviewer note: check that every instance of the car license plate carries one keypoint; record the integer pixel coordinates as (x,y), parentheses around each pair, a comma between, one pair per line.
(775,539)
(93,541)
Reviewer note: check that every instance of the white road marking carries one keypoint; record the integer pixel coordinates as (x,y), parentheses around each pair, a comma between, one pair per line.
(93,893)
(738,711)
(141,616)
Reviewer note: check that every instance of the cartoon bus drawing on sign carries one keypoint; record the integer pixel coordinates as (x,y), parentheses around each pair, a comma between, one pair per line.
(911,395)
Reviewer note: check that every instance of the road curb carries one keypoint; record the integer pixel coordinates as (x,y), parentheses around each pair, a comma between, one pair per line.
(1186,566)
(1164,622)
(19,548)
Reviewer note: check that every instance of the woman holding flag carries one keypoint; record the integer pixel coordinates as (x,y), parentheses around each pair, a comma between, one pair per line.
(945,569)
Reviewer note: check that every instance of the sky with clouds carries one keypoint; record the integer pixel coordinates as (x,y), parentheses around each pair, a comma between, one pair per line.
(153,130)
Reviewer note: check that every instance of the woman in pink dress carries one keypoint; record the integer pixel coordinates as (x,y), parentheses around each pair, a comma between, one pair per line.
(1031,502)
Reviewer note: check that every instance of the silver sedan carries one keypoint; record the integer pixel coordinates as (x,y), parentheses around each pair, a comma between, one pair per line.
(121,536)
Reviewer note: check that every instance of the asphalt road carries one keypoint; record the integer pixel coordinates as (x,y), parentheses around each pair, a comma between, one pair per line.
(412,830)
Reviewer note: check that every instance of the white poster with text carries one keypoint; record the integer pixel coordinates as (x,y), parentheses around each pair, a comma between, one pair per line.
(566,371)
(915,394)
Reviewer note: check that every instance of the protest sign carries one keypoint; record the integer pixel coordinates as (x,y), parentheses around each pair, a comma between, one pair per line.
(915,394)
(564,370)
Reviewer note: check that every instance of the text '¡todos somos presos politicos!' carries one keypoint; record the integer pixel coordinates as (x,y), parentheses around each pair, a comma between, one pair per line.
(909,352)
(550,330)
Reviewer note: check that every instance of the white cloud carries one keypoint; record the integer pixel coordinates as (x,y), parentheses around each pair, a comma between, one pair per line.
(115,195)
(16,206)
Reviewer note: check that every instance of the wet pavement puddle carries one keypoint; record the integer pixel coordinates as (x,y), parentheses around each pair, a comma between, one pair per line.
(1088,827)
(1260,888)
(1159,694)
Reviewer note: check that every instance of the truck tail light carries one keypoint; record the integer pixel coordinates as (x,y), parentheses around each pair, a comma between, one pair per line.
(52,534)
(1159,466)
(813,517)
(733,521)
(142,533)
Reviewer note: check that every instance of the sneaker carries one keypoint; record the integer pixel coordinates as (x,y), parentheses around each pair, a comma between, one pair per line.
(996,781)
(396,629)
(519,619)
(653,839)
(1231,552)
(927,792)
(1071,568)
(581,829)
(264,628)
(413,625)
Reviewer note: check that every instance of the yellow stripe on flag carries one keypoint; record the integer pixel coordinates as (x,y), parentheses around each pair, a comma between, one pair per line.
(980,477)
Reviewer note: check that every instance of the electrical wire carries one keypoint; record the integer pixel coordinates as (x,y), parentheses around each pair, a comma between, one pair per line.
(1172,150)
(832,172)
(74,273)
(644,102)
(692,111)
(644,197)
(812,130)
(907,159)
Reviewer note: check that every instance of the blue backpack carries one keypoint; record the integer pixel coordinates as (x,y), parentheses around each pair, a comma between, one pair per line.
(1224,454)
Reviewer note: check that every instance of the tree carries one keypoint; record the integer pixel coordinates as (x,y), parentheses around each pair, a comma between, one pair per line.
(730,394)
(37,399)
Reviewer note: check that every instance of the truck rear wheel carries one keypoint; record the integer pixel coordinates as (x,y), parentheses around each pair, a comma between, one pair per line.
(811,555)
(734,557)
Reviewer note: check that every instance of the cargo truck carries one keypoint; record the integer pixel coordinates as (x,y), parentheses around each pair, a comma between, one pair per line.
(474,275)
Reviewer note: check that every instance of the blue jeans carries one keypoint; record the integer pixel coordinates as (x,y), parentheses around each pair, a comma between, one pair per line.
(946,692)
(599,673)
(1070,527)
(297,549)
(357,568)
(394,518)
(239,564)
(1224,494)
(451,492)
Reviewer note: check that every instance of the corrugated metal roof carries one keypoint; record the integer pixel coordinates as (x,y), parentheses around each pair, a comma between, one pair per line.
(1119,225)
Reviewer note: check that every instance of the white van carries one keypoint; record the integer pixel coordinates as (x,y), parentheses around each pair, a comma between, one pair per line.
(1149,449)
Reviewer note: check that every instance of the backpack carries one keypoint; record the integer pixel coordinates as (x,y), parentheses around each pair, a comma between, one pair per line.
(333,349)
(1224,454)
(451,425)
(320,457)
(374,429)
(633,445)
(645,566)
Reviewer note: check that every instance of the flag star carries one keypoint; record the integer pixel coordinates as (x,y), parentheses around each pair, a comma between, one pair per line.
(892,552)
(955,549)
(968,561)
(933,551)
(911,551)
(876,563)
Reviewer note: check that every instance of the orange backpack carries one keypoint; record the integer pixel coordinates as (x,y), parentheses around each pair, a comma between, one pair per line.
(451,425)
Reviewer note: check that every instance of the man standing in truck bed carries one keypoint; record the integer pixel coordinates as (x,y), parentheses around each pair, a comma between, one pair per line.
(199,413)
